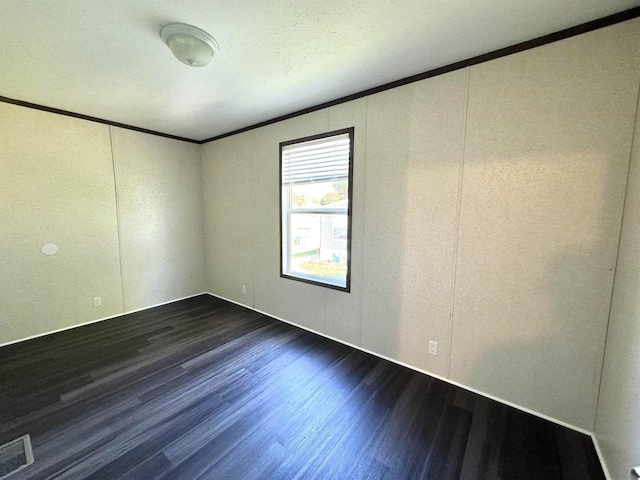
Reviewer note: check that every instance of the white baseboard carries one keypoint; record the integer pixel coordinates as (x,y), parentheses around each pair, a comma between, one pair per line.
(607,474)
(444,379)
(99,320)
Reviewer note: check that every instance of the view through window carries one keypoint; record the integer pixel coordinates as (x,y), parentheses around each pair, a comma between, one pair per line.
(315,196)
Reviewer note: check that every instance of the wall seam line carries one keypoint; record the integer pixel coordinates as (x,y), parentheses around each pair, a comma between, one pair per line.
(615,268)
(457,220)
(115,189)
(204,226)
(364,206)
(254,232)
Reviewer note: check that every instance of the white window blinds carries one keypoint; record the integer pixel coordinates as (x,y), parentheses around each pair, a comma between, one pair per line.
(322,160)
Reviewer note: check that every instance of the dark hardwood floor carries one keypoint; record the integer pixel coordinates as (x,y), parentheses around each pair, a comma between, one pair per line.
(205,389)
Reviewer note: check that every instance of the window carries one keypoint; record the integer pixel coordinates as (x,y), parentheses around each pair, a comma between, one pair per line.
(315,213)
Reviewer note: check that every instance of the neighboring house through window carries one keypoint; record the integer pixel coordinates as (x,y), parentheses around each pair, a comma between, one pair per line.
(315,217)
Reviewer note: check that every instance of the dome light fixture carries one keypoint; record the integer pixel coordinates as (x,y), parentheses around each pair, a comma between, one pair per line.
(189,44)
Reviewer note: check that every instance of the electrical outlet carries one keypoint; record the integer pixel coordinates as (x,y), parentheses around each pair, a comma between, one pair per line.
(244,289)
(97,301)
(433,347)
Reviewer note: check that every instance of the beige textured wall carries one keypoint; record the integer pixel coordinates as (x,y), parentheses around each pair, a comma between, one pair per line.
(546,157)
(158,182)
(56,186)
(241,218)
(294,301)
(542,138)
(414,161)
(242,224)
(618,417)
(228,179)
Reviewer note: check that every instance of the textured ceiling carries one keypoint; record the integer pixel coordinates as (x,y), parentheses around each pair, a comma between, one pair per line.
(105,58)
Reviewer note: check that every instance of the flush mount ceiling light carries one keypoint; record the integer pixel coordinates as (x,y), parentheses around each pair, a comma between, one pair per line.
(189,44)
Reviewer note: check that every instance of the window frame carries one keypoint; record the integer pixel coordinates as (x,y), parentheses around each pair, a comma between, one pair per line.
(351,132)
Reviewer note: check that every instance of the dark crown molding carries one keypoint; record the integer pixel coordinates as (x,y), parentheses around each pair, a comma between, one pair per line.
(503,52)
(66,113)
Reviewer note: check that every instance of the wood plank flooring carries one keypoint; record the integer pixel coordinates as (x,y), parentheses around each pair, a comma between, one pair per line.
(205,389)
